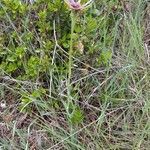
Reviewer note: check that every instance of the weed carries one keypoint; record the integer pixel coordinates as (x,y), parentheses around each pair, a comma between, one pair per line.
(74,78)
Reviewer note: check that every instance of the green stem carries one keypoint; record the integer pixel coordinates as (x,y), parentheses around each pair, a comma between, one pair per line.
(72,15)
(70,52)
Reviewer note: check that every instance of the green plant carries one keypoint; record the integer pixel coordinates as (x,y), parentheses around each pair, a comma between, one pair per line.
(74,78)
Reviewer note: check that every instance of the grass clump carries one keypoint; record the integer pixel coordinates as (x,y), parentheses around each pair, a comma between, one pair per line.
(101,101)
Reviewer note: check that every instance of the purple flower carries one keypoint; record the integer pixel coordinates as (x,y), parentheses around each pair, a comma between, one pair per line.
(76,5)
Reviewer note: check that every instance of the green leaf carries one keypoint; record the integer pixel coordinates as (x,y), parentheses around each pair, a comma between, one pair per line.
(76,116)
(105,57)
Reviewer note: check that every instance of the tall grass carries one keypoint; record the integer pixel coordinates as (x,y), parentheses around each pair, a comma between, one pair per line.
(109,85)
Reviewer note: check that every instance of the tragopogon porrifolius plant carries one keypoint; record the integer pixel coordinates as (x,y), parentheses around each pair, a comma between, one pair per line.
(75,7)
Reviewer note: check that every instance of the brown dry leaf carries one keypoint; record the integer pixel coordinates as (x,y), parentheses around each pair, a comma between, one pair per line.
(7,118)
(80,47)
(85,70)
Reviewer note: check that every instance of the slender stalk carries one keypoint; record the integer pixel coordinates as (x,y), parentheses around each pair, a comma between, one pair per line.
(71,46)
(72,15)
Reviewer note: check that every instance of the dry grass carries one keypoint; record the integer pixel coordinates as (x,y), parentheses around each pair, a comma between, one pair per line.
(115,99)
